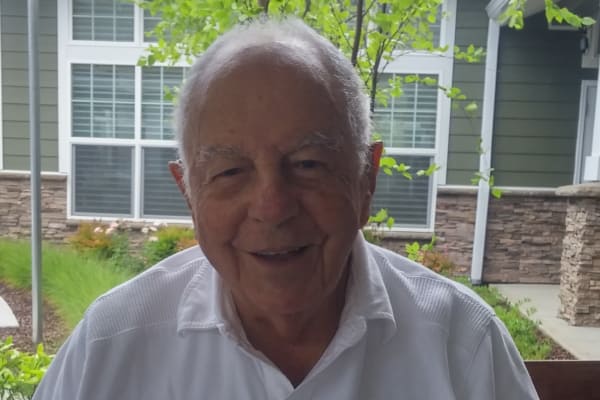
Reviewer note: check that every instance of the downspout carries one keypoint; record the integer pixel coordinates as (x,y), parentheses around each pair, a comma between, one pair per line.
(487,126)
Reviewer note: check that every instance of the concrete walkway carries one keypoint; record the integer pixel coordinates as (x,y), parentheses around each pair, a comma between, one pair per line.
(7,318)
(582,342)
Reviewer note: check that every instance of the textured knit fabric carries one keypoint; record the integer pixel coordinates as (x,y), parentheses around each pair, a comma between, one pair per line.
(405,333)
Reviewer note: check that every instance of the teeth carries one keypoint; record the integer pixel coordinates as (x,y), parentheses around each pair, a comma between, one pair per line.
(277,253)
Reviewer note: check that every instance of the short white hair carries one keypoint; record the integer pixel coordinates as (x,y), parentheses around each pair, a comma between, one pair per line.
(343,83)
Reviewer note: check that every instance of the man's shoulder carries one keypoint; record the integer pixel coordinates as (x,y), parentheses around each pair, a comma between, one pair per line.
(151,298)
(416,290)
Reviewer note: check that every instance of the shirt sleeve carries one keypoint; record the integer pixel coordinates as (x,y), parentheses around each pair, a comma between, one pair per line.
(497,371)
(65,374)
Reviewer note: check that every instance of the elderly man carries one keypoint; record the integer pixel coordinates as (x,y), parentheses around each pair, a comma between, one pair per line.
(283,299)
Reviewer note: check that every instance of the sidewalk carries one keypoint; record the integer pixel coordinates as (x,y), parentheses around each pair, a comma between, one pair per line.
(582,342)
(7,318)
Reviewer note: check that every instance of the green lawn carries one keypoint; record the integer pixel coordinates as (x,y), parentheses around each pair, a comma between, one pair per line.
(70,281)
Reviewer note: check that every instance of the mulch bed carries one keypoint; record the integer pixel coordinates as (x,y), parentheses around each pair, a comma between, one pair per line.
(54,330)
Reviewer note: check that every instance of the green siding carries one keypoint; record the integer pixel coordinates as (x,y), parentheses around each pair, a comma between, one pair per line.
(537,105)
(463,156)
(15,112)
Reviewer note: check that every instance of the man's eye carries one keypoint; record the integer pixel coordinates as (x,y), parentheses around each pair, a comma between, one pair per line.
(308,164)
(229,172)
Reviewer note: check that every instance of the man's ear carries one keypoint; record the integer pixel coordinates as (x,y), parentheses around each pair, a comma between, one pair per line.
(375,151)
(176,169)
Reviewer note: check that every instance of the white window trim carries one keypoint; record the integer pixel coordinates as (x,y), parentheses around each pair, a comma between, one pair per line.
(588,58)
(441,65)
(102,53)
(1,103)
(585,86)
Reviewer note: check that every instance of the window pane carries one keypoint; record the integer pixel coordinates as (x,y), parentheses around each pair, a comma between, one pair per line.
(106,20)
(406,200)
(408,121)
(103,101)
(81,28)
(150,22)
(161,195)
(102,180)
(156,110)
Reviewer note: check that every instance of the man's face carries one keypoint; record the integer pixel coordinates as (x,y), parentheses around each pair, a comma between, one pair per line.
(276,192)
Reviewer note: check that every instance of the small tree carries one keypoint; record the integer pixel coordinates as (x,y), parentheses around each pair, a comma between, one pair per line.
(371,33)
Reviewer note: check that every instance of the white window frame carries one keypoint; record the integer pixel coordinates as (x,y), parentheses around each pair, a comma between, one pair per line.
(102,53)
(441,65)
(1,103)
(589,59)
(585,86)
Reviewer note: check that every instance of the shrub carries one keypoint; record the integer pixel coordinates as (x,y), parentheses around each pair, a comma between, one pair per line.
(166,241)
(106,242)
(20,372)
(94,237)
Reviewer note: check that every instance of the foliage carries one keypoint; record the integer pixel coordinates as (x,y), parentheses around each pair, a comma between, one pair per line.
(522,328)
(94,237)
(106,241)
(414,250)
(167,241)
(513,15)
(370,33)
(20,372)
(70,280)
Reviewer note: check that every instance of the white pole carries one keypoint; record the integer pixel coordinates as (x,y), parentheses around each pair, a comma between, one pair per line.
(485,159)
(34,155)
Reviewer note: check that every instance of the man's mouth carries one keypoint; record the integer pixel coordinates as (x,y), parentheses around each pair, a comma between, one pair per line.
(280,254)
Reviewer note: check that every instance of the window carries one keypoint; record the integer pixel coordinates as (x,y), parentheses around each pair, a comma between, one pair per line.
(103,99)
(150,22)
(103,20)
(115,131)
(407,125)
(115,134)
(415,128)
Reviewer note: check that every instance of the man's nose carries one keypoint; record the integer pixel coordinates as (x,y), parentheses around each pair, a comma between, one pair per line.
(274,199)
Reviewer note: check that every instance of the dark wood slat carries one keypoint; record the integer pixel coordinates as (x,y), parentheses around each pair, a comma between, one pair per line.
(565,379)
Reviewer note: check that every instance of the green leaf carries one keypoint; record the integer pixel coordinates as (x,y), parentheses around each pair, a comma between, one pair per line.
(471,107)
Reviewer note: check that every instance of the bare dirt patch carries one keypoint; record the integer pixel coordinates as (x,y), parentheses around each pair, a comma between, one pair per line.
(54,329)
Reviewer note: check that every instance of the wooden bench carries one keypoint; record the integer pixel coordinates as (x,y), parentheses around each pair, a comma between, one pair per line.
(565,379)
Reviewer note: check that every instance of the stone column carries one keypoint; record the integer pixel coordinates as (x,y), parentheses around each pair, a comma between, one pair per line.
(580,262)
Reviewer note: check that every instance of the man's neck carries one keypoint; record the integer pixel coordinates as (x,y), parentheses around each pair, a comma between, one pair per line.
(295,342)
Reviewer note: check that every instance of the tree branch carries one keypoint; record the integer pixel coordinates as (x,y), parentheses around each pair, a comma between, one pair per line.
(358,31)
(307,4)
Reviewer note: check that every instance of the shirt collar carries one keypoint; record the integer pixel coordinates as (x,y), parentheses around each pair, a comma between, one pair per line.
(207,304)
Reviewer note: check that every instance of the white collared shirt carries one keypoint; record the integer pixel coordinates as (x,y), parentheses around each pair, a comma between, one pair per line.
(172,334)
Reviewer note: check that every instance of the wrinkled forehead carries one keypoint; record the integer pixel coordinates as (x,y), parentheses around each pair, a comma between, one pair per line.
(295,56)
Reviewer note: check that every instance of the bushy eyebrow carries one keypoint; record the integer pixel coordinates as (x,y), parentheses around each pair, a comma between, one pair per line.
(210,152)
(318,139)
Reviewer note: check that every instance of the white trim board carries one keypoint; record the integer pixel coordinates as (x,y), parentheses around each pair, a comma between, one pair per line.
(485,159)
(1,103)
(585,86)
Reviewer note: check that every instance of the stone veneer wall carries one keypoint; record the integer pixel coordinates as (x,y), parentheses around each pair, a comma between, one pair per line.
(523,240)
(524,237)
(15,205)
(580,267)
